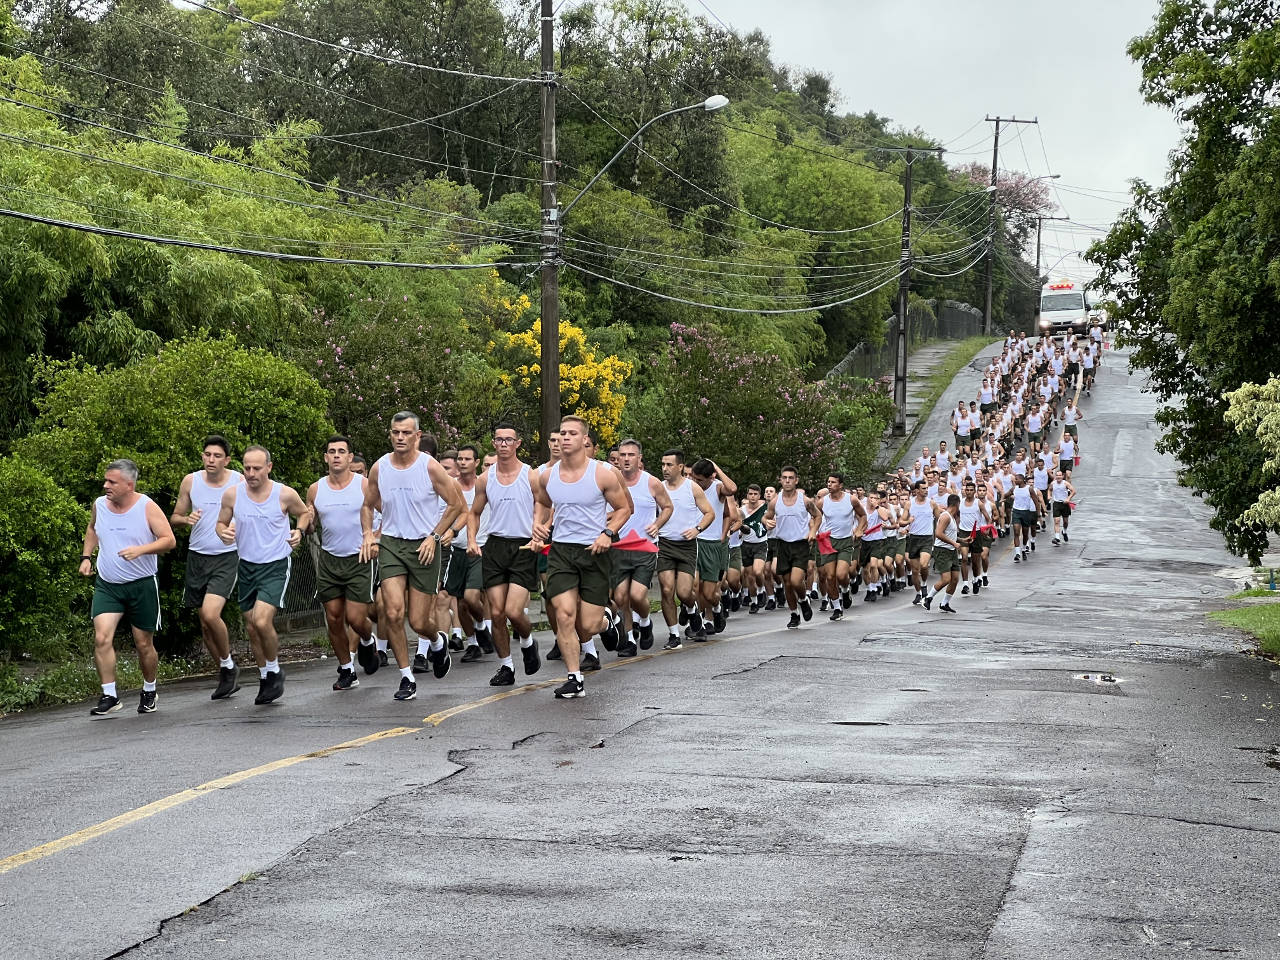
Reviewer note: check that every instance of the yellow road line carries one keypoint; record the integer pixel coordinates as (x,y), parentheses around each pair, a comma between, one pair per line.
(221,783)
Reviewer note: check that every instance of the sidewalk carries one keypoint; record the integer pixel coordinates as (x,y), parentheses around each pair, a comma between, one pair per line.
(921,367)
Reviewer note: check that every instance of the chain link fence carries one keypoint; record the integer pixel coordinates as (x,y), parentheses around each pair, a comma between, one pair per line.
(926,320)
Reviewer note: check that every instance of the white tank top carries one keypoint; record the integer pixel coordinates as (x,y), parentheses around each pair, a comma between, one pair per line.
(411,508)
(1059,491)
(944,461)
(1022,499)
(339,514)
(1019,467)
(921,518)
(970,516)
(987,395)
(646,508)
(1034,422)
(119,530)
(1069,416)
(462,539)
(962,423)
(792,520)
(950,531)
(262,529)
(581,510)
(208,500)
(838,515)
(1040,478)
(686,514)
(715,532)
(510,505)
(1068,448)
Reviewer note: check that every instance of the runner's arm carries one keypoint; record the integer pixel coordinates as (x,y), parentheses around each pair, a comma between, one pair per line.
(164,539)
(658,490)
(226,525)
(732,516)
(90,543)
(372,502)
(618,498)
(727,487)
(542,508)
(183,515)
(473,515)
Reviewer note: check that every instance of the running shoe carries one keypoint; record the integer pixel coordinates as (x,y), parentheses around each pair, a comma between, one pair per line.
(720,620)
(532,662)
(485,637)
(147,702)
(1017,556)
(420,663)
(455,641)
(813,593)
(824,606)
(408,690)
(441,662)
(590,663)
(263,687)
(846,598)
(964,589)
(1033,546)
(273,687)
(382,658)
(570,689)
(673,642)
(627,649)
(984,581)
(346,680)
(947,607)
(771,604)
(367,657)
(646,635)
(927,601)
(698,636)
(919,596)
(1056,541)
(505,677)
(554,652)
(609,635)
(794,622)
(735,604)
(472,653)
(754,608)
(977,587)
(1065,538)
(806,610)
(227,683)
(836,614)
(682,615)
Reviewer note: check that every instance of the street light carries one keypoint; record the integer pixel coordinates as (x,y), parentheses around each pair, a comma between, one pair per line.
(553,220)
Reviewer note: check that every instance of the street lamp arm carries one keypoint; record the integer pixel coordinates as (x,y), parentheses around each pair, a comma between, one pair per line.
(711,103)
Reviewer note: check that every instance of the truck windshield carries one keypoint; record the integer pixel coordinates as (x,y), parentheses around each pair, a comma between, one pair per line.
(1061,301)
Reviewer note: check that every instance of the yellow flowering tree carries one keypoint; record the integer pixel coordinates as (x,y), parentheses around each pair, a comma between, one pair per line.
(590,384)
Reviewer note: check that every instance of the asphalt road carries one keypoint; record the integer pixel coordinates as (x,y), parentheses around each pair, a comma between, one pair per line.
(899,785)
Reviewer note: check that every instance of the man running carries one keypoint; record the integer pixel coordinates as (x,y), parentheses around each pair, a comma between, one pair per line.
(840,514)
(509,564)
(795,518)
(590,507)
(211,564)
(1063,494)
(946,562)
(636,552)
(1025,517)
(419,503)
(464,581)
(344,583)
(713,547)
(691,515)
(921,517)
(755,548)
(255,517)
(129,531)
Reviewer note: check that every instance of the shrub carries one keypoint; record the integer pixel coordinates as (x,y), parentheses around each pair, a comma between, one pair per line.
(42,596)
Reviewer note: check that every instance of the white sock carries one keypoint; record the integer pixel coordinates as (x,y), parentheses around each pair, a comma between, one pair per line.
(227,663)
(631,636)
(576,676)
(525,642)
(380,642)
(149,685)
(366,643)
(273,666)
(932,593)
(406,672)
(457,632)
(262,673)
(645,621)
(590,647)
(835,604)
(424,646)
(508,663)
(472,641)
(439,642)
(345,666)
(487,626)
(109,689)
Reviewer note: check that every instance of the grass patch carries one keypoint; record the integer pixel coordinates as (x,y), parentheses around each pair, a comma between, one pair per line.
(1260,620)
(962,352)
(1254,592)
(77,680)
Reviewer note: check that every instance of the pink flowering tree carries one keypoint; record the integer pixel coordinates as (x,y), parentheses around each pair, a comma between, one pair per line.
(753,412)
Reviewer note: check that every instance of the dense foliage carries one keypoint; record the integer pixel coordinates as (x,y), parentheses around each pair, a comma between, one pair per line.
(1194,265)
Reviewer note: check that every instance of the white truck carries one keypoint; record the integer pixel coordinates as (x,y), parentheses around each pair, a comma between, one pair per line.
(1063,308)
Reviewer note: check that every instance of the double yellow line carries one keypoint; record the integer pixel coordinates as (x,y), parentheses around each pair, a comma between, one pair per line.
(232,779)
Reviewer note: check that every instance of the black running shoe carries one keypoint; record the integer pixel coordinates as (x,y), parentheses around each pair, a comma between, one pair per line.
(455,641)
(673,642)
(697,636)
(263,689)
(695,622)
(794,622)
(855,587)
(408,690)
(735,604)
(505,677)
(919,596)
(771,604)
(927,601)
(753,608)
(836,614)
(984,581)
(382,658)
(485,637)
(682,615)
(871,596)
(609,635)
(964,590)
(271,688)
(1017,555)
(646,635)
(472,653)
(420,663)
(346,680)
(627,649)
(719,619)
(228,678)
(571,689)
(554,652)
(947,607)
(813,593)
(532,662)
(1033,546)
(977,587)
(367,657)
(806,610)
(1065,538)
(824,606)
(846,598)
(147,702)
(590,663)
(441,662)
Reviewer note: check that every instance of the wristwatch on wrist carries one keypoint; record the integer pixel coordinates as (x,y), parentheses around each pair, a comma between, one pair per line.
(611,534)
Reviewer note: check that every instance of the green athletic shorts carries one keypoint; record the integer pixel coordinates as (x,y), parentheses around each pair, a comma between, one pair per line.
(945,560)
(462,572)
(883,547)
(1071,429)
(844,551)
(918,543)
(210,573)
(751,552)
(814,553)
(735,558)
(344,577)
(504,561)
(1033,436)
(264,582)
(571,566)
(792,554)
(678,555)
(713,560)
(138,600)
(398,557)
(865,551)
(638,566)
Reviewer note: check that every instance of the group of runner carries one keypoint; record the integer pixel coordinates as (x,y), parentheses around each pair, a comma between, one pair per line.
(439,542)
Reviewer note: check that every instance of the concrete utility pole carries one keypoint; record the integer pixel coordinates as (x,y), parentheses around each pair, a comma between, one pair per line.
(991,221)
(1039,223)
(550,359)
(904,289)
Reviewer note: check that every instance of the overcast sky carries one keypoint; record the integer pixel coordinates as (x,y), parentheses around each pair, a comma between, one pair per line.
(943,66)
